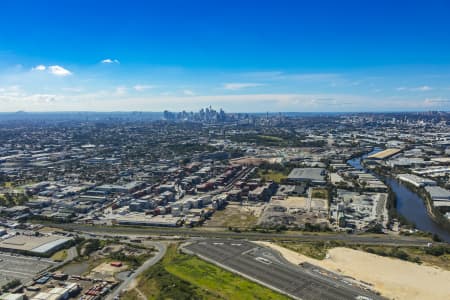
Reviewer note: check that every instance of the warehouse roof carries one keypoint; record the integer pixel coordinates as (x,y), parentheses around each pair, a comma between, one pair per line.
(35,244)
(304,174)
(438,193)
(385,153)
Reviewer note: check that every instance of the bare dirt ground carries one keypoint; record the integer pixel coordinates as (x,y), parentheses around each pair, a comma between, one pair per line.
(235,215)
(393,278)
(106,271)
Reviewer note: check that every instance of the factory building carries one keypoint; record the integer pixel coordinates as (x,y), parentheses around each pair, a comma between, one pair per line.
(314,176)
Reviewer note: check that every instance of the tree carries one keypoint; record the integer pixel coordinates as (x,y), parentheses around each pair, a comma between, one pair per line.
(436,238)
(10,285)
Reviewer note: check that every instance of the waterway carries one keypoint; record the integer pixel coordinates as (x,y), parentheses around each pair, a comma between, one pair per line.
(409,204)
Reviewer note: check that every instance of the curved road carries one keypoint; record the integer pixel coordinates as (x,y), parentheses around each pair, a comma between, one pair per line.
(150,262)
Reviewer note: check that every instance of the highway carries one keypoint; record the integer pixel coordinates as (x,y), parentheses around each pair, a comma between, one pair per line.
(147,264)
(250,235)
(269,268)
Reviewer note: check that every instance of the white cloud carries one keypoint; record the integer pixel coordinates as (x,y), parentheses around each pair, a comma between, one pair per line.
(40,68)
(423,88)
(59,71)
(263,75)
(313,76)
(41,98)
(120,91)
(54,70)
(11,91)
(436,101)
(240,85)
(72,89)
(188,93)
(143,87)
(110,61)
(118,99)
(279,75)
(24,100)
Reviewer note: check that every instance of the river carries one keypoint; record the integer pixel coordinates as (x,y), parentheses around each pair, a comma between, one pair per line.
(409,204)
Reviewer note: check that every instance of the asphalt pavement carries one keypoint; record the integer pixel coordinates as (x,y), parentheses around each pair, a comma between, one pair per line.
(268,267)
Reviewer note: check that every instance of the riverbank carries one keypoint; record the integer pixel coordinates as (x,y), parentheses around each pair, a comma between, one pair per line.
(433,212)
(408,203)
(435,216)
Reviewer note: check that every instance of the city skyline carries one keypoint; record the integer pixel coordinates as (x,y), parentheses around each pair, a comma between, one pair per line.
(251,57)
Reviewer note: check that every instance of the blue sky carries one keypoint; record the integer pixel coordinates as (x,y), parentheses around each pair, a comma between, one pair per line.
(238,55)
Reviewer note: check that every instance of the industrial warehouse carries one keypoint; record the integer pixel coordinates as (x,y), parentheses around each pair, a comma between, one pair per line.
(42,245)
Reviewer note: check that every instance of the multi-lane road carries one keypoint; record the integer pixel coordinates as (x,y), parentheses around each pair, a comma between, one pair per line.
(269,268)
(250,235)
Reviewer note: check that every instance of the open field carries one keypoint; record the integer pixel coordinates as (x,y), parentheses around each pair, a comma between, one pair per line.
(319,193)
(106,271)
(394,278)
(98,254)
(314,250)
(270,138)
(272,175)
(180,276)
(234,215)
(60,255)
(318,250)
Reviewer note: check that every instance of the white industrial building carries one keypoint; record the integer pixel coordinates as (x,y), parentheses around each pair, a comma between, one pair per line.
(415,180)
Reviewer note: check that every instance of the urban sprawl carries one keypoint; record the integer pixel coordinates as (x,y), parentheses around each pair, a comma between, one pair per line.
(88,200)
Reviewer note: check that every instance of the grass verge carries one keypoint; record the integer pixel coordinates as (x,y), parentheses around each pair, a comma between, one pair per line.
(438,256)
(60,255)
(180,276)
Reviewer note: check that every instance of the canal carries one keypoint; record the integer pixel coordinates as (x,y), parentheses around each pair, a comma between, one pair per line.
(409,204)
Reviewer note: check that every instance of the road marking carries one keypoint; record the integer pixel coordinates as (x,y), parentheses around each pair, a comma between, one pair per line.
(263,260)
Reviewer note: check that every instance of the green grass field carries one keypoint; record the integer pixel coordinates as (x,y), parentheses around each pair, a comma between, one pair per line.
(316,250)
(180,276)
(270,138)
(272,175)
(320,193)
(60,255)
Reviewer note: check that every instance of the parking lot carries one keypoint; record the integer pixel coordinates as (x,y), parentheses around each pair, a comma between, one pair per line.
(270,268)
(24,268)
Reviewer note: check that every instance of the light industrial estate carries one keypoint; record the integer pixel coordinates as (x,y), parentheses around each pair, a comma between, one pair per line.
(87,211)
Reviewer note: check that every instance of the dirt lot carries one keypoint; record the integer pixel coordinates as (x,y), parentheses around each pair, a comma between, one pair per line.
(292,202)
(235,215)
(295,211)
(106,271)
(394,278)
